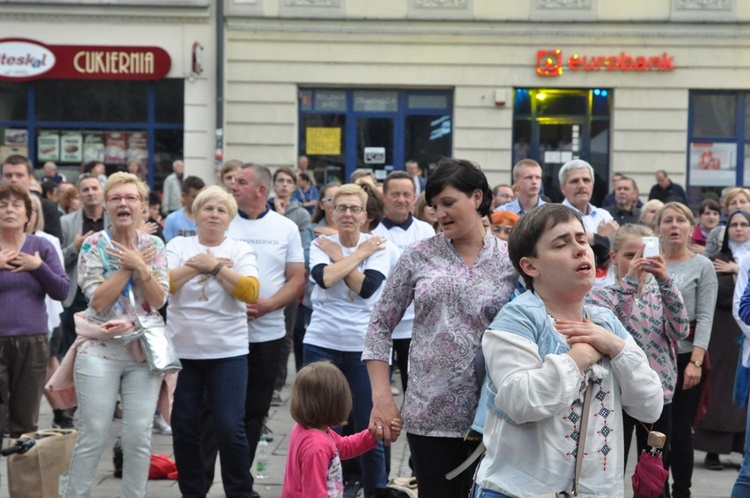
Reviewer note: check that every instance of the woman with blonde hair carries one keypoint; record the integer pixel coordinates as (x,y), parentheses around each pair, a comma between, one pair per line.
(212,277)
(695,276)
(123,274)
(348,270)
(649,212)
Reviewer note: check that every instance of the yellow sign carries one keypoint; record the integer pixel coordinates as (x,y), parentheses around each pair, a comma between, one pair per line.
(323,141)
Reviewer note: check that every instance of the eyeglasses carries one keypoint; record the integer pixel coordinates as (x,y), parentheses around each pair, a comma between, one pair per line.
(130,199)
(326,199)
(343,208)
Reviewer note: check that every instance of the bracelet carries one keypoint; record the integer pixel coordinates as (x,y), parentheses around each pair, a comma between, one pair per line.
(217,269)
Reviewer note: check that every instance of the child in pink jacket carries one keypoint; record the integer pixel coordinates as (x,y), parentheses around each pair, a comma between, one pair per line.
(320,399)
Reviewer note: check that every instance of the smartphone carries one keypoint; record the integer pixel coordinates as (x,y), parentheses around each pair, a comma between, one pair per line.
(650,247)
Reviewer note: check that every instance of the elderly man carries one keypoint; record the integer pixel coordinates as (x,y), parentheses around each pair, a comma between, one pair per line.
(51,174)
(625,209)
(577,184)
(667,191)
(527,176)
(501,194)
(172,200)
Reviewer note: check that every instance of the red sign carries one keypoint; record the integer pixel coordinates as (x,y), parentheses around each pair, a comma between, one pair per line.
(24,60)
(550,62)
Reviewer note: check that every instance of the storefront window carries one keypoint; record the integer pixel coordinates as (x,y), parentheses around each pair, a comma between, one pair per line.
(169,101)
(718,143)
(554,126)
(13,101)
(92,101)
(341,130)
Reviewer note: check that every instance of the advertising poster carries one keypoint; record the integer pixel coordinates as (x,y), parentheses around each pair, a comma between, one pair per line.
(71,147)
(115,147)
(137,147)
(713,164)
(323,141)
(48,146)
(8,150)
(93,146)
(16,137)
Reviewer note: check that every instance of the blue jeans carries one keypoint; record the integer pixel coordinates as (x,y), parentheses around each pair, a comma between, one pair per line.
(741,487)
(224,381)
(372,463)
(486,493)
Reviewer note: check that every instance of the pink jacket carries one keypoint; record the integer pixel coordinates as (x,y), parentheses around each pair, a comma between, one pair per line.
(61,386)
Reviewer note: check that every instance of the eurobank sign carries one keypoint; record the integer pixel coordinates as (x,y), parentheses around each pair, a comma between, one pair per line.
(553,63)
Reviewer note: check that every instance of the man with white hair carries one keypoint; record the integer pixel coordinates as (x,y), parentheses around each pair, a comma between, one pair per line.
(577,184)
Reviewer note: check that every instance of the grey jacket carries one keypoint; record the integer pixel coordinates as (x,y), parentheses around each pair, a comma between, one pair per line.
(72,224)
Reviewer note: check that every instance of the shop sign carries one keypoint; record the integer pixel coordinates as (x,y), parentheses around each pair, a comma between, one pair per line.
(323,141)
(374,155)
(552,62)
(24,60)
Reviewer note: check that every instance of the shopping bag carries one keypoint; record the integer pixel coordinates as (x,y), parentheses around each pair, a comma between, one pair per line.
(37,471)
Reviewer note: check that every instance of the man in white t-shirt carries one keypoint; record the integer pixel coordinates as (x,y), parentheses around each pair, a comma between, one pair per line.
(281,272)
(401,228)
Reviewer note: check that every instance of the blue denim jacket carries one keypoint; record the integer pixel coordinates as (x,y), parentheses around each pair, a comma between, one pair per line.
(527,316)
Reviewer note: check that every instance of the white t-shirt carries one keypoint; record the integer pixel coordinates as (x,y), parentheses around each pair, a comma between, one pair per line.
(591,221)
(54,308)
(276,242)
(402,239)
(340,316)
(217,326)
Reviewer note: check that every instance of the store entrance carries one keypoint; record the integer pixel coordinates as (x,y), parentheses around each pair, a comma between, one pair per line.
(554,126)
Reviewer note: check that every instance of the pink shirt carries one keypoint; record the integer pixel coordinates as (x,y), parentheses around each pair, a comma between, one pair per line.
(313,466)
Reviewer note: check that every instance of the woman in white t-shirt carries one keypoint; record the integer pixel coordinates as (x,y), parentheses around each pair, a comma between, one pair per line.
(211,279)
(348,269)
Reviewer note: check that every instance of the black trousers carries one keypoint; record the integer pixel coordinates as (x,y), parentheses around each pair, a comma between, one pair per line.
(434,457)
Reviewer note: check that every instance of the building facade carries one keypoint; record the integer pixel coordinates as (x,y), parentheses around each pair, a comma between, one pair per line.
(631,87)
(113,81)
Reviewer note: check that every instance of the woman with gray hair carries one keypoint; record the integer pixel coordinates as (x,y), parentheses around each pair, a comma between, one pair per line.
(212,277)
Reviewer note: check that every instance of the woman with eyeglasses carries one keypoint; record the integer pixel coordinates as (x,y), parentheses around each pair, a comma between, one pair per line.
(116,265)
(348,270)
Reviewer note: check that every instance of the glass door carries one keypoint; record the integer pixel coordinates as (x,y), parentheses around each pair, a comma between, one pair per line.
(558,143)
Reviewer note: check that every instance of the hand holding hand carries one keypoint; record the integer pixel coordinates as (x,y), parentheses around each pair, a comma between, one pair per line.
(386,419)
(26,262)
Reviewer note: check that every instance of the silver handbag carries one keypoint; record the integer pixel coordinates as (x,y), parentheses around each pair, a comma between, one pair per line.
(157,346)
(155,342)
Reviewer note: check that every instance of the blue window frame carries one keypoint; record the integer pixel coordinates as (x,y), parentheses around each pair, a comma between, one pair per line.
(336,125)
(718,148)
(155,108)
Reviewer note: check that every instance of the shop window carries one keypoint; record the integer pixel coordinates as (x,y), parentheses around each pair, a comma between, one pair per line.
(169,101)
(718,143)
(341,129)
(13,101)
(92,101)
(714,115)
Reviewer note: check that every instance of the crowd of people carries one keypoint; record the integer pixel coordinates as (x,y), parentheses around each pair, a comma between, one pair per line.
(542,308)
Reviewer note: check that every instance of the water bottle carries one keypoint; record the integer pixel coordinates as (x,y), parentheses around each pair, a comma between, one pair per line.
(262,459)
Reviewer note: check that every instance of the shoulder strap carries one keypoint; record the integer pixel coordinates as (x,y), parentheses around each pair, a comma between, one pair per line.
(582,437)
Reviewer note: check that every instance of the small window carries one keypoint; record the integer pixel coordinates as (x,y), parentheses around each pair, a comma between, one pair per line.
(376,101)
(169,98)
(428,101)
(714,115)
(92,101)
(330,100)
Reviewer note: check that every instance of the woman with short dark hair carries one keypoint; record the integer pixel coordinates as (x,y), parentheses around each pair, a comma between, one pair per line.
(458,281)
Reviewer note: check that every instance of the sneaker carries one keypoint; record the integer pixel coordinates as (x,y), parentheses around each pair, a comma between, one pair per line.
(276,399)
(395,391)
(353,489)
(265,431)
(161,426)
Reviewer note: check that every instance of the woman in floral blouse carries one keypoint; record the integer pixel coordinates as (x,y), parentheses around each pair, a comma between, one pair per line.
(458,281)
(111,264)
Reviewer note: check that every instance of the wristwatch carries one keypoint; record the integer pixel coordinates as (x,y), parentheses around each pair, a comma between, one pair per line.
(697,363)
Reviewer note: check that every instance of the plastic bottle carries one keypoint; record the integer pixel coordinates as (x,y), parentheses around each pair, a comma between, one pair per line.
(261,455)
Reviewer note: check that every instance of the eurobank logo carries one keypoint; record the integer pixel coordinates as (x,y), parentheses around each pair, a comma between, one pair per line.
(552,62)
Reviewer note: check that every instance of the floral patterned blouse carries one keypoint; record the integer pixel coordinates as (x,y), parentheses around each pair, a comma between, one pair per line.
(94,267)
(454,305)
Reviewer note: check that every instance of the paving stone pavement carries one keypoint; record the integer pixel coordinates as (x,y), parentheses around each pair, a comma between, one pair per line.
(706,483)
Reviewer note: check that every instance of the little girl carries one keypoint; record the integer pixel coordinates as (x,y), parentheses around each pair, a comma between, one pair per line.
(320,399)
(653,313)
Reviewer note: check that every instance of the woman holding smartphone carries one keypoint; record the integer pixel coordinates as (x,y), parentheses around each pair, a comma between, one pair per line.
(696,279)
(648,303)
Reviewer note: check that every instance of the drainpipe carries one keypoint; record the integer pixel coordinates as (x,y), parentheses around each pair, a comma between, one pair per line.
(219,153)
